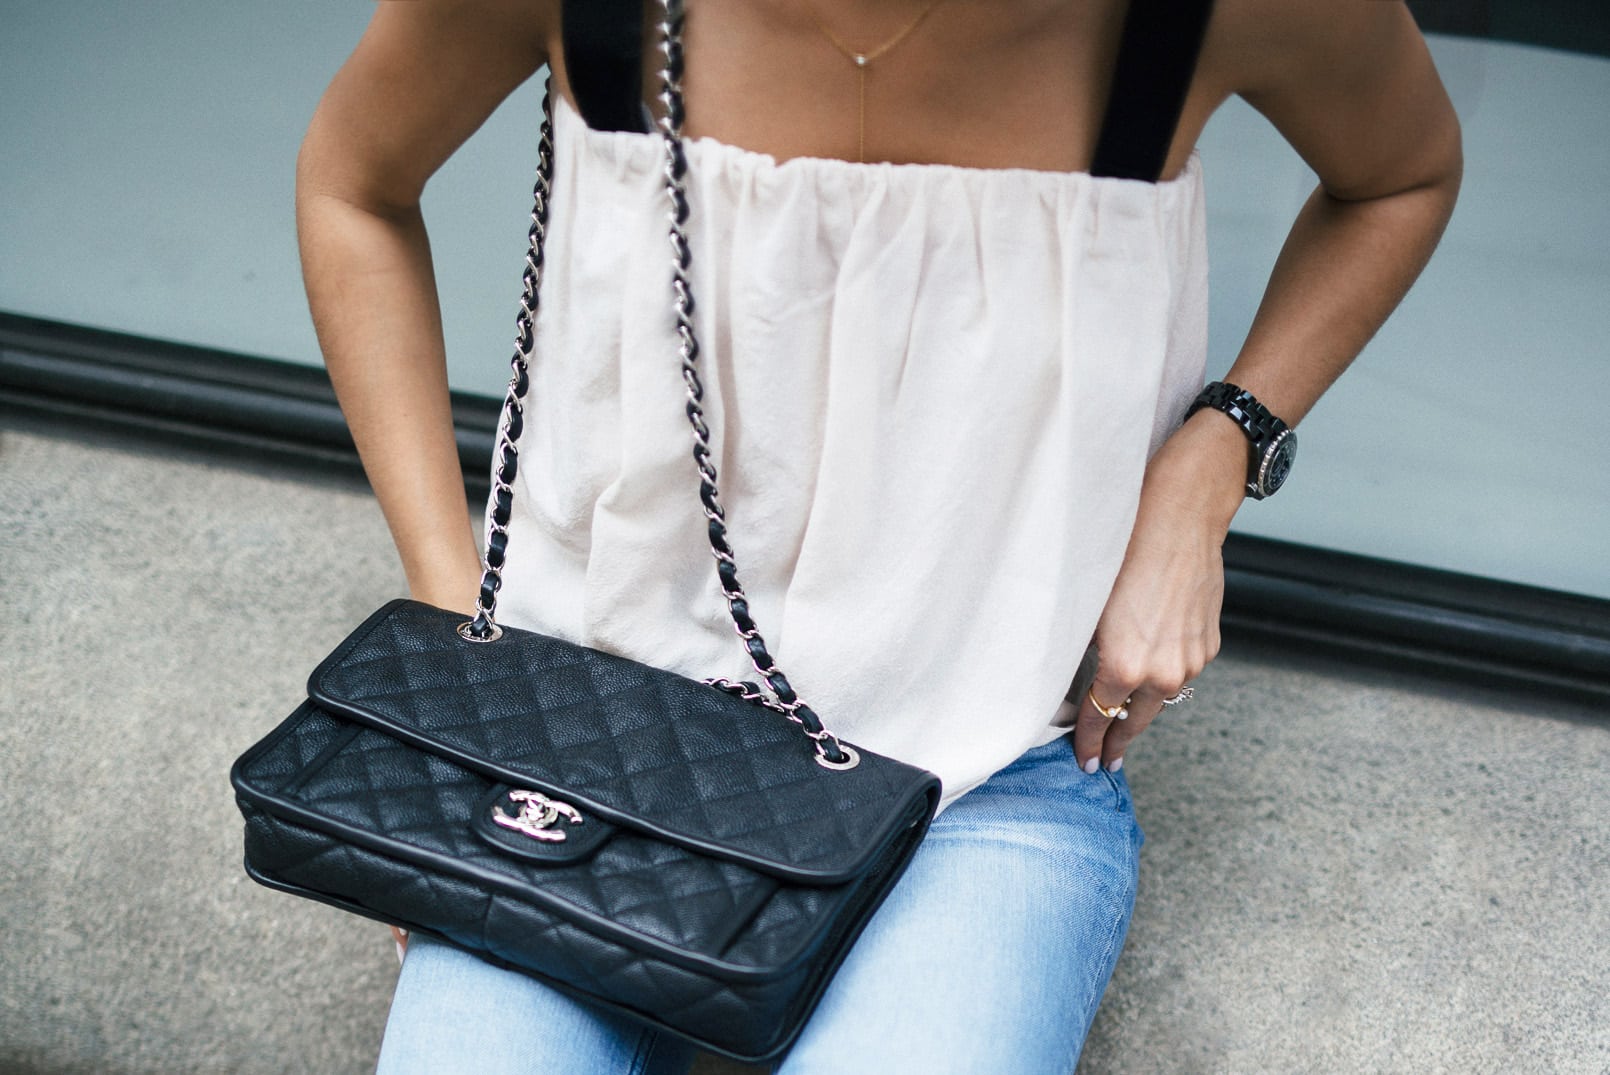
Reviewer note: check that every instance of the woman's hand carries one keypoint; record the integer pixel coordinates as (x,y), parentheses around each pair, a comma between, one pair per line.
(1161,624)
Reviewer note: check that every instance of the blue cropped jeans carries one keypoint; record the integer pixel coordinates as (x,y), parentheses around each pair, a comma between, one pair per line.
(988,958)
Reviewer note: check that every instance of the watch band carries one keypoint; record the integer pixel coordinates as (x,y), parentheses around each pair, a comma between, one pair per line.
(1273,443)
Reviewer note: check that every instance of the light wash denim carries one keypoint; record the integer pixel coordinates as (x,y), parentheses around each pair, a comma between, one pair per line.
(988,958)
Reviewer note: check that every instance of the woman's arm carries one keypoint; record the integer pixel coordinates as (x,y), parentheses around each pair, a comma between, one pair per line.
(423,78)
(1351,86)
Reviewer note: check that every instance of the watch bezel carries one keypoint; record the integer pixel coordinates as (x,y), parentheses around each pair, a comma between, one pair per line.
(1270,476)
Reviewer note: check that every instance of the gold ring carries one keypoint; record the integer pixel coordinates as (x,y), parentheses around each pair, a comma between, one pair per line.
(1111,712)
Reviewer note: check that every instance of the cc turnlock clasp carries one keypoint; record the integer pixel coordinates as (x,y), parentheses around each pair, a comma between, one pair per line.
(538,815)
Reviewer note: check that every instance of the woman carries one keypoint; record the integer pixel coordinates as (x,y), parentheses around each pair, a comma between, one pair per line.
(954,378)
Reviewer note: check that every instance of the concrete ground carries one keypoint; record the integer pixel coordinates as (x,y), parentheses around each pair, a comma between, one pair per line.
(1346,870)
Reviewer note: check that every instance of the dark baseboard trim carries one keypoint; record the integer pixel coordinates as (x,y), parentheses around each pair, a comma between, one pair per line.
(201,394)
(1290,596)
(1474,629)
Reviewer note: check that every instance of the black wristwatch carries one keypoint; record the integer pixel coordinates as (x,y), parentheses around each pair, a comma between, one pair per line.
(1274,444)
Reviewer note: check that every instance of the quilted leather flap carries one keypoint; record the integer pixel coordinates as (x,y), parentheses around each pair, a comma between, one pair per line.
(644,748)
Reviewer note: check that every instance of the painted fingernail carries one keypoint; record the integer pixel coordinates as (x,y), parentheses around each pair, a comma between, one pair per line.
(399,950)
(1117,764)
(1093,764)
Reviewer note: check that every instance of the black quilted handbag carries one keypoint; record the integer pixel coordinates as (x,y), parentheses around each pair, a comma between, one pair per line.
(698,855)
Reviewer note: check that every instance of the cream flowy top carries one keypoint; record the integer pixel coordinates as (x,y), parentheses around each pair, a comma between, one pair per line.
(933,391)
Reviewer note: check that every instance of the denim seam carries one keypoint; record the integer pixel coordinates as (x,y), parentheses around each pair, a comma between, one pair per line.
(1119,929)
(1117,790)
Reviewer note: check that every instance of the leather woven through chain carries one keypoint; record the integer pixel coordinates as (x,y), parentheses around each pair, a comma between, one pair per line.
(501,501)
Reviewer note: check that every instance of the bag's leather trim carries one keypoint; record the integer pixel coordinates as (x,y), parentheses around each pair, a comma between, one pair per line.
(876,778)
(283,810)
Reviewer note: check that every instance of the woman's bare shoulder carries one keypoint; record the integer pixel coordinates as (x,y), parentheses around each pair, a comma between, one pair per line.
(1350,83)
(1258,45)
(509,23)
(424,77)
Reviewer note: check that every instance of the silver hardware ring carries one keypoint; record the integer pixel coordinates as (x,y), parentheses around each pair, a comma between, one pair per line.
(852,758)
(466,631)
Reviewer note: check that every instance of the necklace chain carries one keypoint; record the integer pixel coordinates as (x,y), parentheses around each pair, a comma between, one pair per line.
(864,60)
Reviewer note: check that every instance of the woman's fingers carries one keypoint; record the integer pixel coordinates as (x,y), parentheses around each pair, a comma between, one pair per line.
(1105,706)
(1144,705)
(1112,716)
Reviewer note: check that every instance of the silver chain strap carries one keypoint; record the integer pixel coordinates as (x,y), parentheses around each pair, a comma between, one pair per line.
(483,628)
(500,501)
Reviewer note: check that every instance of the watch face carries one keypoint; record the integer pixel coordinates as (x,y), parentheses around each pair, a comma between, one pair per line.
(1277,460)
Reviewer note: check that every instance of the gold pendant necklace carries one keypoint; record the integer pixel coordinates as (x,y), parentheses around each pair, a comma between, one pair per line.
(864,60)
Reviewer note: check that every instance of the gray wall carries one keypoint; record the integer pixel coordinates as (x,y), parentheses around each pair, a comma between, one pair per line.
(146,176)
(145,186)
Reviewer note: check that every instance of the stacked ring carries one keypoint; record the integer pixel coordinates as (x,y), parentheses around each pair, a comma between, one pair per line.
(1121,711)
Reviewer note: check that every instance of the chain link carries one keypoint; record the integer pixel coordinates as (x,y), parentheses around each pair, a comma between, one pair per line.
(500,502)
(828,748)
(829,751)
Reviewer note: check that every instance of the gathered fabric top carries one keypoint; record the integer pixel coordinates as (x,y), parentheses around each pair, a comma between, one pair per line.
(932,391)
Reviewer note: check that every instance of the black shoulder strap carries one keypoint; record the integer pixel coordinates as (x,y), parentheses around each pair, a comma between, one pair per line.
(1156,59)
(603,42)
